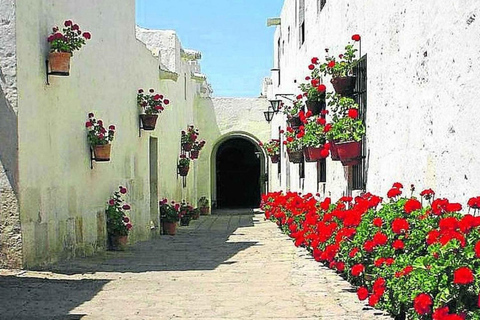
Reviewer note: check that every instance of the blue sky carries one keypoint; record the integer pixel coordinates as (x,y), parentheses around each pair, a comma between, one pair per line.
(236,44)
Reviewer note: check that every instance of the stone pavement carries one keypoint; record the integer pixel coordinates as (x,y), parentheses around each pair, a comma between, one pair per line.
(232,265)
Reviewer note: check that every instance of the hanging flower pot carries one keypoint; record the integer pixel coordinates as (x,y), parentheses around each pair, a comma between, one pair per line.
(295,156)
(169,228)
(333,151)
(102,152)
(275,158)
(187,146)
(194,154)
(315,107)
(344,85)
(294,122)
(183,171)
(59,63)
(149,121)
(349,152)
(312,154)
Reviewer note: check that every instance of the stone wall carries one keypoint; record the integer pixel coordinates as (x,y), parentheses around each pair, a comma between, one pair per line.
(422,89)
(10,235)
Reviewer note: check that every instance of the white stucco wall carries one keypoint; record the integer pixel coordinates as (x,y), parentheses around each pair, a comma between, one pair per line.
(422,89)
(62,200)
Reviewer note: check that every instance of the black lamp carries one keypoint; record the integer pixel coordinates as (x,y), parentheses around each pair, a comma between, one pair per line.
(275,104)
(269,114)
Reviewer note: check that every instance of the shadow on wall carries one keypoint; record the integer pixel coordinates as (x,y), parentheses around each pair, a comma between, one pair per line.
(204,245)
(35,298)
(8,141)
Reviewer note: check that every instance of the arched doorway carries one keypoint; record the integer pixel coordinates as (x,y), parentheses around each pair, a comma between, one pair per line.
(238,165)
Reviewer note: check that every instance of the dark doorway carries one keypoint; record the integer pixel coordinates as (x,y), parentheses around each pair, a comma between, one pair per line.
(238,174)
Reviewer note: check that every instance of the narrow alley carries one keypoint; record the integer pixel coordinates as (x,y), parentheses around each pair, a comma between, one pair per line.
(230,265)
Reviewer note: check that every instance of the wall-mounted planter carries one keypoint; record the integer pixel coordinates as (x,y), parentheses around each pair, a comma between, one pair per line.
(149,121)
(183,171)
(344,86)
(102,152)
(349,152)
(333,151)
(59,63)
(275,158)
(294,122)
(315,107)
(295,156)
(312,154)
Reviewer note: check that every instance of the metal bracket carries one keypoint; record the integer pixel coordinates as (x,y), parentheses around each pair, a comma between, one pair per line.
(47,74)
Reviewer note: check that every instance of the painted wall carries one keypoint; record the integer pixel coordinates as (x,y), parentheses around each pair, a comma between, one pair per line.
(422,89)
(62,200)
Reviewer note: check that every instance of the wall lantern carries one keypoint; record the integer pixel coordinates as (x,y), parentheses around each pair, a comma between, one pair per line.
(269,114)
(275,105)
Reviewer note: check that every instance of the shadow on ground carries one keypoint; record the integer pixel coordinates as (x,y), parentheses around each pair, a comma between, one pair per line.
(204,245)
(28,298)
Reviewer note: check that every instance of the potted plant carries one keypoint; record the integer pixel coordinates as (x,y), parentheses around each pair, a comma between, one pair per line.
(151,105)
(196,147)
(118,223)
(189,137)
(294,145)
(292,113)
(186,213)
(314,90)
(203,204)
(346,131)
(272,147)
(183,165)
(313,139)
(341,69)
(62,45)
(99,138)
(169,216)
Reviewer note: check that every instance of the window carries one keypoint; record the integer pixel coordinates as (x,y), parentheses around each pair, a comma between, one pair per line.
(321,171)
(301,22)
(359,171)
(320,5)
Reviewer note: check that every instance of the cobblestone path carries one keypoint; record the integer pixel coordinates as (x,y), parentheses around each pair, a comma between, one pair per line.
(225,266)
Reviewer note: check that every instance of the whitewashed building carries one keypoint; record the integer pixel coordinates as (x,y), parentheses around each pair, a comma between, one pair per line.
(52,203)
(420,93)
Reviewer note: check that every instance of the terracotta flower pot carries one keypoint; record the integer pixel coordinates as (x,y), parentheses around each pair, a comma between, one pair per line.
(344,85)
(194,154)
(295,156)
(333,151)
(316,107)
(349,152)
(187,146)
(149,121)
(59,63)
(183,171)
(275,158)
(312,154)
(169,228)
(118,243)
(102,152)
(294,122)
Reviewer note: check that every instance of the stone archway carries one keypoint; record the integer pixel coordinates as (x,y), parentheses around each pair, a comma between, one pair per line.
(238,171)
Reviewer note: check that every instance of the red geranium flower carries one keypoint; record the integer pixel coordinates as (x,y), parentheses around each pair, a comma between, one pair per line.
(477,249)
(380,239)
(412,205)
(352,113)
(314,60)
(321,88)
(331,64)
(397,185)
(400,225)
(398,245)
(373,300)
(377,222)
(353,252)
(362,293)
(357,270)
(356,37)
(311,67)
(393,192)
(463,275)
(423,303)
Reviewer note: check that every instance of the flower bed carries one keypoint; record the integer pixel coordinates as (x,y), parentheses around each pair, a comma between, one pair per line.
(414,258)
